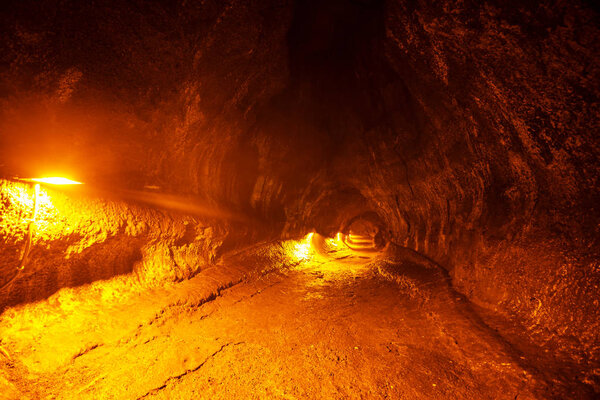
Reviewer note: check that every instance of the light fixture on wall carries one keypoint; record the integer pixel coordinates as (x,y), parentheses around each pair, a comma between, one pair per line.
(54,180)
(35,182)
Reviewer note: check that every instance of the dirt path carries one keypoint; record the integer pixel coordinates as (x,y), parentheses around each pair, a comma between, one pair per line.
(344,326)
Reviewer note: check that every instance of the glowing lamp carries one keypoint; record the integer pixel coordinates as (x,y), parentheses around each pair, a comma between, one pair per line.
(302,249)
(55,180)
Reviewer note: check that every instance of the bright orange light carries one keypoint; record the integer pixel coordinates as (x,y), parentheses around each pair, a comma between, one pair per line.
(20,207)
(302,249)
(56,215)
(336,241)
(55,180)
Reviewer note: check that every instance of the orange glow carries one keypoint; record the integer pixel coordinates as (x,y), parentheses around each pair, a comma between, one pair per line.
(20,210)
(56,215)
(331,242)
(302,249)
(55,180)
(326,257)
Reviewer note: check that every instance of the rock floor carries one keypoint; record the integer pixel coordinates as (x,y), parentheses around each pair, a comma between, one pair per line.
(346,326)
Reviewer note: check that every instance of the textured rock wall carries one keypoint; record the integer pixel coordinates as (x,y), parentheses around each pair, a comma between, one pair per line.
(79,239)
(132,94)
(138,99)
(470,128)
(488,153)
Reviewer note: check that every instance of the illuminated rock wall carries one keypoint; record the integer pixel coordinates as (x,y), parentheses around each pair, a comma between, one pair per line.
(470,129)
(78,240)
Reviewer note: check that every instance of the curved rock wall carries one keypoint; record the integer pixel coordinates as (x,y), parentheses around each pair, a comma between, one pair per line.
(504,173)
(469,128)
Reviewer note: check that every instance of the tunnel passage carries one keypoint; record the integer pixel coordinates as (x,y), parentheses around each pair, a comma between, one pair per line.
(463,133)
(364,232)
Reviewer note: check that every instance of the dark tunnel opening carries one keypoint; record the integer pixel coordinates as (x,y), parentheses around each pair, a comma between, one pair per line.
(365,230)
(396,199)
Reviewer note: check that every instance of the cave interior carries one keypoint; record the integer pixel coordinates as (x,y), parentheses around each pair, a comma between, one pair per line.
(299,199)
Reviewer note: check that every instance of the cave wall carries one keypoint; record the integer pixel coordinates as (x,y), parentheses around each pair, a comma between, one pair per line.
(127,94)
(149,105)
(497,173)
(469,128)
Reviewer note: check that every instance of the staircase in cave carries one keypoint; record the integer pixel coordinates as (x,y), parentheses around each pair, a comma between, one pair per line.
(360,242)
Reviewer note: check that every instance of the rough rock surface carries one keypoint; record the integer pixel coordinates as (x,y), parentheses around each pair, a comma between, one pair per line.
(469,128)
(340,329)
(79,239)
